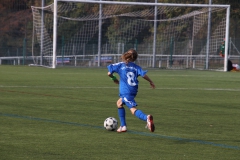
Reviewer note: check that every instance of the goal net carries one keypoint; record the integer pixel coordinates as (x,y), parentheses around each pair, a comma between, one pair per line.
(96,34)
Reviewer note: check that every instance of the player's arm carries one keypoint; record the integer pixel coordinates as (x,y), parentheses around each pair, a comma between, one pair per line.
(149,80)
(115,80)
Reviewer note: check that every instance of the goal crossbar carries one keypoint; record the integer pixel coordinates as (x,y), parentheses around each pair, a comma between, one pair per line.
(147,4)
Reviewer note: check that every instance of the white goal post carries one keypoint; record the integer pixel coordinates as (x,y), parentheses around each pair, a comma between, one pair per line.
(178,50)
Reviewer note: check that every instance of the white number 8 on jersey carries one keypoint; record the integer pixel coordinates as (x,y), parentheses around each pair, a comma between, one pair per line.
(130,79)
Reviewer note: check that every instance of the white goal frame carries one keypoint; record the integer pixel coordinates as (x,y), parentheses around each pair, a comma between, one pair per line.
(227,7)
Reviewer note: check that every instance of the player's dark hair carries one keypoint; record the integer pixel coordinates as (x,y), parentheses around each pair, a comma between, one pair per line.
(129,56)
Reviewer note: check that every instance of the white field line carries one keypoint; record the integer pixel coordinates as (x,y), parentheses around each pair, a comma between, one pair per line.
(81,87)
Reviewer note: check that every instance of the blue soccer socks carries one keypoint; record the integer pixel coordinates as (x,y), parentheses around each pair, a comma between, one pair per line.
(140,115)
(121,114)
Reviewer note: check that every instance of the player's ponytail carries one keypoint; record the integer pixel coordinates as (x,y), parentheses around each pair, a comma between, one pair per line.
(129,56)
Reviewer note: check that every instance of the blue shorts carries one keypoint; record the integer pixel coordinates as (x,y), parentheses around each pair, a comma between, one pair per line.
(129,102)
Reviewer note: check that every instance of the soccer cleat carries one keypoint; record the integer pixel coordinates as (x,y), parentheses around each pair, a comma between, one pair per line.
(150,124)
(122,129)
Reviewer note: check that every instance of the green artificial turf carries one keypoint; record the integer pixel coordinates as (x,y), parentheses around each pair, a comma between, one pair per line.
(59,114)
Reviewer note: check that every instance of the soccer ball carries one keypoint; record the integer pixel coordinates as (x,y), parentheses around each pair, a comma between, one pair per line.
(110,124)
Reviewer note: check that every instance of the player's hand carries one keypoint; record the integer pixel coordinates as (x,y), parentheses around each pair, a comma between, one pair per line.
(116,81)
(152,85)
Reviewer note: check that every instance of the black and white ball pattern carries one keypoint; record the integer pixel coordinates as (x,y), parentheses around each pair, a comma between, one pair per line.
(110,124)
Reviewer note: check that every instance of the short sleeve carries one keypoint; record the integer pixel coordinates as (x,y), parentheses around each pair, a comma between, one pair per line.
(141,72)
(113,67)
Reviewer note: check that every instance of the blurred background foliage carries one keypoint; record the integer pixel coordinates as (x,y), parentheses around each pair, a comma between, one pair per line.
(16,20)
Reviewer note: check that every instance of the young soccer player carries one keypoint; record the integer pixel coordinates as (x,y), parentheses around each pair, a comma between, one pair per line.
(128,88)
(222,49)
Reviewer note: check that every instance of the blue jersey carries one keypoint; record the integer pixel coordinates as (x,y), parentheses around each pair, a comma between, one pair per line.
(128,83)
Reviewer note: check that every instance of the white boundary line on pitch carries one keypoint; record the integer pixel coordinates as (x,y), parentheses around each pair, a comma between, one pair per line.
(207,89)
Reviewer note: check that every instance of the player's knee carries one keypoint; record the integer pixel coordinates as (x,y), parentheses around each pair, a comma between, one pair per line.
(133,110)
(119,104)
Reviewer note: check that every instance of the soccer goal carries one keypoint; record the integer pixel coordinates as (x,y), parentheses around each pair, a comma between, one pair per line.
(96,33)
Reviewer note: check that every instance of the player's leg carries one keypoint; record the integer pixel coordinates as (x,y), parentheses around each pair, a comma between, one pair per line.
(149,118)
(130,102)
(121,114)
(138,113)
